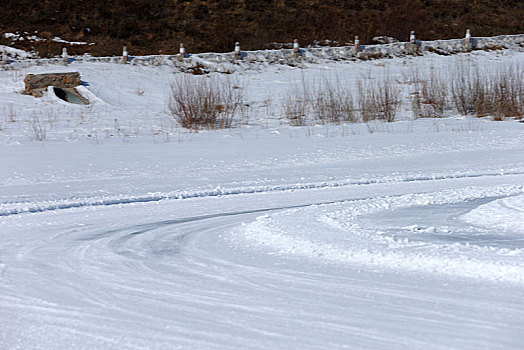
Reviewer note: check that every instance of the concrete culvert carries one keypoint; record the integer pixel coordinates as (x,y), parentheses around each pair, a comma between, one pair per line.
(63,85)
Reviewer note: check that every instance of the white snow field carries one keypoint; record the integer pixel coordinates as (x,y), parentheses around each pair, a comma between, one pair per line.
(121,230)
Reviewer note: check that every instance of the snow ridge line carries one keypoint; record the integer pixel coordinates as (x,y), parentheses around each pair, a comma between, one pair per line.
(217,192)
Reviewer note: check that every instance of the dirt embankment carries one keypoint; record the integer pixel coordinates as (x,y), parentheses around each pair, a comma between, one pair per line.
(158,26)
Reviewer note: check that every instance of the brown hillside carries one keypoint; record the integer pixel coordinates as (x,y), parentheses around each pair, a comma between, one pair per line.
(153,26)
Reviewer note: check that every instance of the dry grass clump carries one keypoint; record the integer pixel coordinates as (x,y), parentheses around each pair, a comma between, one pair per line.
(468,90)
(296,104)
(465,89)
(38,127)
(332,103)
(499,95)
(324,102)
(296,110)
(430,99)
(205,102)
(379,100)
(507,94)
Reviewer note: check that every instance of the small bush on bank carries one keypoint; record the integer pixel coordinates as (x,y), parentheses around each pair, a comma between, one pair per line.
(332,103)
(468,91)
(500,95)
(508,94)
(296,104)
(379,101)
(205,102)
(430,99)
(323,102)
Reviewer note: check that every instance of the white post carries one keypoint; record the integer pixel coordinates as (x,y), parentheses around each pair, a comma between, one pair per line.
(412,37)
(182,51)
(357,43)
(124,55)
(296,48)
(237,50)
(468,42)
(65,57)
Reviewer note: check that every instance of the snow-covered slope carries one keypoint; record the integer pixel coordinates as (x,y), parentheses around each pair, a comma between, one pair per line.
(123,230)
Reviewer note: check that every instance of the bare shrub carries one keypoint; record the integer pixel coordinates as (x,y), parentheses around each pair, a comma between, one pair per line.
(430,99)
(369,108)
(205,102)
(379,100)
(507,92)
(267,105)
(388,97)
(38,128)
(10,115)
(468,91)
(499,96)
(296,111)
(332,104)
(326,101)
(297,104)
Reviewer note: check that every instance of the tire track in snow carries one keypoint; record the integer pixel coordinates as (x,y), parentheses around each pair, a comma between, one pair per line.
(35,207)
(346,238)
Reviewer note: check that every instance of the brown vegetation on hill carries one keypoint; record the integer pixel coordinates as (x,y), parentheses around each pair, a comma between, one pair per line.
(157,26)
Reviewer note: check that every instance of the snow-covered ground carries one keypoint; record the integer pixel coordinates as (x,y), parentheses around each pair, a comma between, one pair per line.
(123,230)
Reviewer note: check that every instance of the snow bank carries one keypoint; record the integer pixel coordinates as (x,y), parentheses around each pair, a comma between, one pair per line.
(13,53)
(505,214)
(226,62)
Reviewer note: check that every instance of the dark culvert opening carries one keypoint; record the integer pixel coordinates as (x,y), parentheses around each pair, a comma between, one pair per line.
(67,96)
